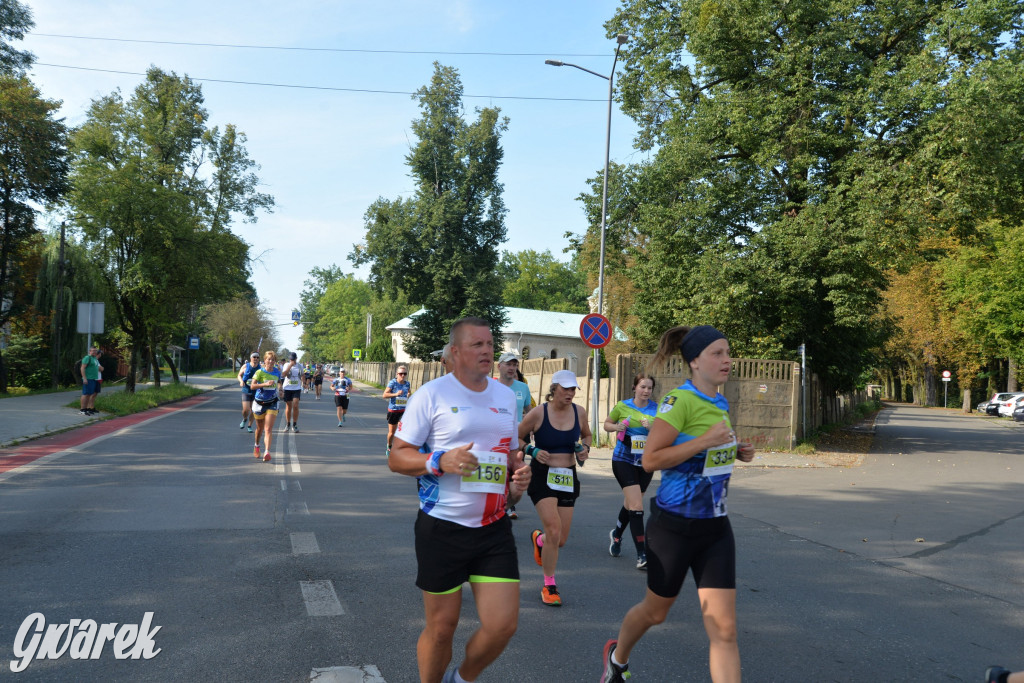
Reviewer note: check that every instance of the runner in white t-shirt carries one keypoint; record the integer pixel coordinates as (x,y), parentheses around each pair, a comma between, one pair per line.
(469,424)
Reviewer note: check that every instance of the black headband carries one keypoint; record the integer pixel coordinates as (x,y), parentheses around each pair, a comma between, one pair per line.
(698,339)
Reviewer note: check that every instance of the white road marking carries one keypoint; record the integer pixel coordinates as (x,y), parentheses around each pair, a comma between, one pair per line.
(284,485)
(297,509)
(320,599)
(368,673)
(293,455)
(294,485)
(304,543)
(279,460)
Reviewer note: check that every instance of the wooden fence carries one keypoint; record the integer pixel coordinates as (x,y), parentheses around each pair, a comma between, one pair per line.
(766,397)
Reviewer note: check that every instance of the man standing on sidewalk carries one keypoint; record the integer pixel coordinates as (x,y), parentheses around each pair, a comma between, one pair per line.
(90,370)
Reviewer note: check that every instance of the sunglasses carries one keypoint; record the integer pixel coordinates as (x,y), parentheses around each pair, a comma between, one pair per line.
(400,374)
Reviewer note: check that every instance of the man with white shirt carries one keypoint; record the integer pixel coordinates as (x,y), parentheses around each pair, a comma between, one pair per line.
(469,425)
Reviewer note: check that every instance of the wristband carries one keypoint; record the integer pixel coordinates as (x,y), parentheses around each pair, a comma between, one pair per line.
(433,463)
(530,449)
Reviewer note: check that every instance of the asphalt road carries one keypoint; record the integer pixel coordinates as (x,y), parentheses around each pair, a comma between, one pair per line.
(907,568)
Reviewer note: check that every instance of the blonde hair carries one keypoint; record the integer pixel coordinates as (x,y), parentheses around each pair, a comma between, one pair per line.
(272,355)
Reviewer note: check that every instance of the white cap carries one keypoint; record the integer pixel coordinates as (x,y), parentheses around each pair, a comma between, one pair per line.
(565,379)
(507,356)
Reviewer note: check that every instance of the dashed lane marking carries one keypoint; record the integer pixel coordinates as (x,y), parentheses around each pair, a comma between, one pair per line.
(293,454)
(297,509)
(304,543)
(320,599)
(368,673)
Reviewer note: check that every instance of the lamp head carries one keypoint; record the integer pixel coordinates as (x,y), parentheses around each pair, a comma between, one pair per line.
(553,62)
(621,39)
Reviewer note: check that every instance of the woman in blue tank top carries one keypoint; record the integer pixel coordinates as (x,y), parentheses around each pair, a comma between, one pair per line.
(557,427)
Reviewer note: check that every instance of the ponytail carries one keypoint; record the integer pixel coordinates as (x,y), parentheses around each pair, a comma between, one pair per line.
(668,345)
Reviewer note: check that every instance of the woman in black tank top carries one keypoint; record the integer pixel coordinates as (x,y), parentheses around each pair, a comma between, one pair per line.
(556,426)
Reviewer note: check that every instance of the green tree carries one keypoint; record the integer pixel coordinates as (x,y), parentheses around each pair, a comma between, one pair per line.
(241,326)
(340,320)
(532,279)
(441,247)
(15,21)
(309,300)
(33,170)
(156,190)
(801,150)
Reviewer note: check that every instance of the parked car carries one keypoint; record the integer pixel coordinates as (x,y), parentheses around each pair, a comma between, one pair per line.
(1018,412)
(981,406)
(993,405)
(1006,407)
(1014,403)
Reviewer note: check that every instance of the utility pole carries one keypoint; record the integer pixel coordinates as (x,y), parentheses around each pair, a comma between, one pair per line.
(55,376)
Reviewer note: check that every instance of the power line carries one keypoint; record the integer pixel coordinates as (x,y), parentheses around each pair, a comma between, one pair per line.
(316,49)
(323,87)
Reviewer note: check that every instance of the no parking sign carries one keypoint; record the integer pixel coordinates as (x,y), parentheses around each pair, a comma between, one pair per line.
(595,330)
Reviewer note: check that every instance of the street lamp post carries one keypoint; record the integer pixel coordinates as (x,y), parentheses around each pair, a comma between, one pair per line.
(620,40)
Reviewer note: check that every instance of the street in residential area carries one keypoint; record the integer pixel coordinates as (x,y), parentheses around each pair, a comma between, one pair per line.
(906,567)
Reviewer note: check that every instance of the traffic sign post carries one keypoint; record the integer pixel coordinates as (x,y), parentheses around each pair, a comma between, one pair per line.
(193,343)
(357,354)
(946,376)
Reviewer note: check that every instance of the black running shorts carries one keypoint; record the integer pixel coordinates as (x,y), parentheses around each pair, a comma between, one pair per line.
(449,554)
(676,545)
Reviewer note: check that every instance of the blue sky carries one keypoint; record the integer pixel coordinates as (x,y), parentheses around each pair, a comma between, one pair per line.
(326,155)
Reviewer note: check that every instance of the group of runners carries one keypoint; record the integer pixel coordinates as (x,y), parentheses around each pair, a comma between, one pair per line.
(466,436)
(265,384)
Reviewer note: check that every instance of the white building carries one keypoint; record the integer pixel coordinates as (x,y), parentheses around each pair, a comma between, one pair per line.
(531,334)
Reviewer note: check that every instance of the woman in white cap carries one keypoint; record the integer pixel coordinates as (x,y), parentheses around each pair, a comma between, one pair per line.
(693,444)
(557,426)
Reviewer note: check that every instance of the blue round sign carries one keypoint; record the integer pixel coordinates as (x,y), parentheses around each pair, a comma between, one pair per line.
(595,330)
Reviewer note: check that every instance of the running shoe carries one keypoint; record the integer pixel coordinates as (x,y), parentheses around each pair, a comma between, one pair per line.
(241,425)
(249,428)
(287,427)
(266,457)
(512,514)
(613,673)
(449,676)
(295,427)
(256,451)
(339,424)
(83,411)
(641,561)
(536,548)
(615,547)
(993,673)
(549,595)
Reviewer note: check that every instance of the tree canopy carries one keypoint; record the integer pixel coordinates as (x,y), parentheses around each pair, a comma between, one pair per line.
(155,191)
(801,151)
(440,247)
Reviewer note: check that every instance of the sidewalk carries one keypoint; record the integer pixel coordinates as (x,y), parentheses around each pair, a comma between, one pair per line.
(23,418)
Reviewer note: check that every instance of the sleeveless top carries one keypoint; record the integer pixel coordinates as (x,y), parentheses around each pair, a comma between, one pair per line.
(556,440)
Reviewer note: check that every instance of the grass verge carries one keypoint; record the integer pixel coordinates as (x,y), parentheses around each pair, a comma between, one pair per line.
(123,403)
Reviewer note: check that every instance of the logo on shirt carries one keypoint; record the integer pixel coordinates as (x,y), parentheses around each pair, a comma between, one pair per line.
(455,409)
(666,404)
